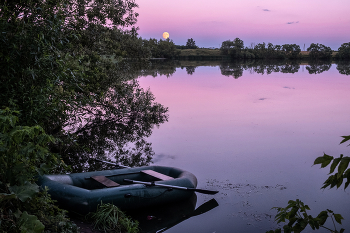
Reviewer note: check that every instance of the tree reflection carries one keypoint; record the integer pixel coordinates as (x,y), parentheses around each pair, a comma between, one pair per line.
(231,69)
(343,67)
(290,68)
(318,67)
(258,66)
(190,69)
(159,67)
(235,69)
(115,127)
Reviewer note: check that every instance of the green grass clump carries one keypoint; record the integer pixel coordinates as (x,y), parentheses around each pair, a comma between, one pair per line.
(110,218)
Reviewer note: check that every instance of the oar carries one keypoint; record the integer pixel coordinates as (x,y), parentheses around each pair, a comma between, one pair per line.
(205,207)
(209,205)
(171,186)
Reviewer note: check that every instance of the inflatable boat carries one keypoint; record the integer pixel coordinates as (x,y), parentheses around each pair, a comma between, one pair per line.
(127,188)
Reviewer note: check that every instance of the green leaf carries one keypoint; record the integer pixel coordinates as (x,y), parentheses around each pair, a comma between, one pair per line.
(293,212)
(324,160)
(286,229)
(346,184)
(334,181)
(335,164)
(346,138)
(347,176)
(312,224)
(322,217)
(30,224)
(339,181)
(17,213)
(292,221)
(25,191)
(344,163)
(338,218)
(303,224)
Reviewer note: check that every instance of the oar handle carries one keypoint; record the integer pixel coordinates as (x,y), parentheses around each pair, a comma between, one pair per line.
(155,184)
(171,186)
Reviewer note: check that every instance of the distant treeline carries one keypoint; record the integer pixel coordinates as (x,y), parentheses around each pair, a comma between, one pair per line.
(132,46)
(236,50)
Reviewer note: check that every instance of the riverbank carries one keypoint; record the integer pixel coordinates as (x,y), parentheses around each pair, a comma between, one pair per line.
(215,54)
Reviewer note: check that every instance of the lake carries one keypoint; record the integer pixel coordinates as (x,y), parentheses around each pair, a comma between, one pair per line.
(254,137)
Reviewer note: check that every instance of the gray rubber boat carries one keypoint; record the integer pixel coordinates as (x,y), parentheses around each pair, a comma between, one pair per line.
(82,192)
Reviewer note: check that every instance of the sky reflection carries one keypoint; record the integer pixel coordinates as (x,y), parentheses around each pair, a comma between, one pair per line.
(261,130)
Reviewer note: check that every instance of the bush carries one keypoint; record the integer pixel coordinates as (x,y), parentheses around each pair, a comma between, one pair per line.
(24,154)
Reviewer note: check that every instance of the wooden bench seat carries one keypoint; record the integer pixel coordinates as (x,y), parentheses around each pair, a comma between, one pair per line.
(157,175)
(105,181)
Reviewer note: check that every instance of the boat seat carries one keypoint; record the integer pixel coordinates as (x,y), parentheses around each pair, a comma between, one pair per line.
(157,175)
(105,181)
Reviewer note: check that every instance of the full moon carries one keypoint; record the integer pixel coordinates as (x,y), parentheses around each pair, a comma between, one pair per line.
(165,35)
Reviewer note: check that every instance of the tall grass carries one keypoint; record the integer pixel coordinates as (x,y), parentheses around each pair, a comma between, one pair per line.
(110,218)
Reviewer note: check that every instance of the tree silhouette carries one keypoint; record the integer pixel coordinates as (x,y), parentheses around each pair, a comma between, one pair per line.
(191,44)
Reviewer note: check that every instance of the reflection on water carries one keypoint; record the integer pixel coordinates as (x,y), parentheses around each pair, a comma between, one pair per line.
(162,218)
(235,69)
(115,127)
(253,138)
(343,67)
(318,67)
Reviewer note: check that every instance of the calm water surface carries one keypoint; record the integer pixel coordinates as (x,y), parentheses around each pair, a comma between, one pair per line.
(254,139)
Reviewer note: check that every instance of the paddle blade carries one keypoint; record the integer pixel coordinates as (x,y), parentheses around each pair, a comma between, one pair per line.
(209,205)
(210,192)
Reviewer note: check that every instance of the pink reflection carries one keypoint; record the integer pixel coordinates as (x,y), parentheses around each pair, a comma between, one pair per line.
(258,130)
(252,115)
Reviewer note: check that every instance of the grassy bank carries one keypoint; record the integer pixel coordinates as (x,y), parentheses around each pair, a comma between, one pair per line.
(202,54)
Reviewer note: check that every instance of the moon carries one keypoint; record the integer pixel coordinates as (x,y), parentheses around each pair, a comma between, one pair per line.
(165,35)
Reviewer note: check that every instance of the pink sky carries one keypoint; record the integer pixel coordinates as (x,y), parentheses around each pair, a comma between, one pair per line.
(254,21)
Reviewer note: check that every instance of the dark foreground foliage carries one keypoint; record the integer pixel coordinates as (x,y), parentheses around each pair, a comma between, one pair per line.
(67,94)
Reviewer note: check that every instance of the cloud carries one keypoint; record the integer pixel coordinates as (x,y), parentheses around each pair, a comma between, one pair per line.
(292,22)
(265,9)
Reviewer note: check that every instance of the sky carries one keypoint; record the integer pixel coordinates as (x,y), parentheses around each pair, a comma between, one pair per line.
(210,23)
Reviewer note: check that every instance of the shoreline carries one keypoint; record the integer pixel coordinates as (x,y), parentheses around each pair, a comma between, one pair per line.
(207,54)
